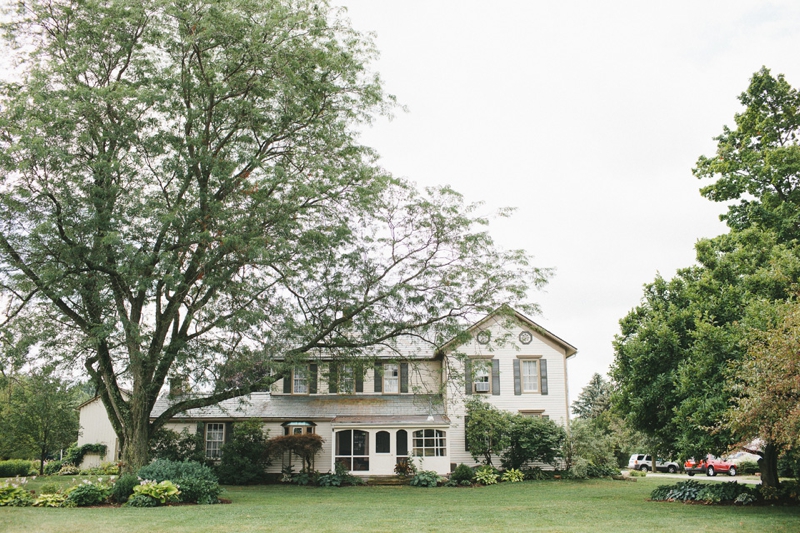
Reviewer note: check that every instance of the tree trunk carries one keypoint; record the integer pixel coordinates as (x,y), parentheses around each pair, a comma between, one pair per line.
(136,447)
(768,465)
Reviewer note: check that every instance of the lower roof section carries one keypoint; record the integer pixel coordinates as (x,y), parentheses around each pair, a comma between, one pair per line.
(393,421)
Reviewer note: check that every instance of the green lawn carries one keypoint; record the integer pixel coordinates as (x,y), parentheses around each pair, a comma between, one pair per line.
(531,506)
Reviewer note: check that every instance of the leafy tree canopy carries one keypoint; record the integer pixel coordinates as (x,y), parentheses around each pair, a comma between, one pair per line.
(183,194)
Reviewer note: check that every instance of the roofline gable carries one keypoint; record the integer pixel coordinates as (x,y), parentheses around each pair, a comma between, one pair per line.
(508,311)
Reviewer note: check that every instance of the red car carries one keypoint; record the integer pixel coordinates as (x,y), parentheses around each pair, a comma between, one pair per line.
(709,466)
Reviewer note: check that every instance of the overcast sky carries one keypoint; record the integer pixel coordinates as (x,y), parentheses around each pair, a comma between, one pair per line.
(588,117)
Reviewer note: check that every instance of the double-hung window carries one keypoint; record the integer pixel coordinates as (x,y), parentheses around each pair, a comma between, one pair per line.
(300,380)
(530,375)
(391,378)
(481,382)
(215,437)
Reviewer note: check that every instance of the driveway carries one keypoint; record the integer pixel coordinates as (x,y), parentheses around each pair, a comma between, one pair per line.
(753,480)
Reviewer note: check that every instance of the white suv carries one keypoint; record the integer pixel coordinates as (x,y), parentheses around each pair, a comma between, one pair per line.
(640,461)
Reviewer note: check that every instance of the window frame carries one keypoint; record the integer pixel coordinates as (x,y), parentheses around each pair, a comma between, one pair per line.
(387,379)
(481,368)
(351,459)
(536,363)
(295,373)
(219,443)
(438,446)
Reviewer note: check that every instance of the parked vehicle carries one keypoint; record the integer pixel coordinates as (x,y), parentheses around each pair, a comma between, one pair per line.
(640,461)
(709,466)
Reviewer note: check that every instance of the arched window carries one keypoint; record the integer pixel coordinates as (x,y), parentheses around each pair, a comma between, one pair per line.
(402,443)
(352,449)
(382,442)
(430,443)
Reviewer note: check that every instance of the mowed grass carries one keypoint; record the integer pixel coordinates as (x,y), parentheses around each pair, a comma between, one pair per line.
(580,506)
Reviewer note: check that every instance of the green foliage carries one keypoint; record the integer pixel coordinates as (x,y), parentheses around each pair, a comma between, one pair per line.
(49,488)
(462,473)
(637,473)
(486,475)
(12,494)
(709,493)
(425,478)
(246,456)
(88,493)
(513,475)
(74,454)
(748,467)
(53,467)
(594,399)
(580,469)
(684,491)
(105,469)
(163,492)
(40,417)
(305,446)
(183,446)
(487,430)
(69,470)
(51,499)
(123,487)
(405,468)
(141,500)
(598,471)
(197,482)
(531,439)
(340,476)
(14,468)
(724,492)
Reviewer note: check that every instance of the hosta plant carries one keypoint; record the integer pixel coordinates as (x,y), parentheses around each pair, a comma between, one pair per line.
(163,492)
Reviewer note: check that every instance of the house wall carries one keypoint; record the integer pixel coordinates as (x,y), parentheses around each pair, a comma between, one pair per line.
(506,347)
(96,428)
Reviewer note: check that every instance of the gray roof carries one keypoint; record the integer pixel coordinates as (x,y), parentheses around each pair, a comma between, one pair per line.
(322,407)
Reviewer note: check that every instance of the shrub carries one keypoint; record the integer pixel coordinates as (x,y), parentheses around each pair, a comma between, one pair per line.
(13,495)
(462,473)
(246,457)
(14,468)
(486,475)
(88,493)
(52,468)
(596,471)
(49,488)
(637,473)
(745,499)
(69,470)
(532,439)
(183,446)
(513,475)
(197,482)
(722,492)
(141,500)
(425,478)
(338,478)
(405,468)
(51,499)
(162,492)
(579,469)
(682,491)
(748,467)
(123,488)
(304,446)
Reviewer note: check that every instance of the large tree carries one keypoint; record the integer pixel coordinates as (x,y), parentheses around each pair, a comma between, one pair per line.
(183,195)
(675,350)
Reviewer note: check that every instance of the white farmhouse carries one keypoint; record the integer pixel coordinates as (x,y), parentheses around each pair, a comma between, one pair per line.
(408,403)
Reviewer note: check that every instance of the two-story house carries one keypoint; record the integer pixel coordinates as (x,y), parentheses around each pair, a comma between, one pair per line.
(408,402)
